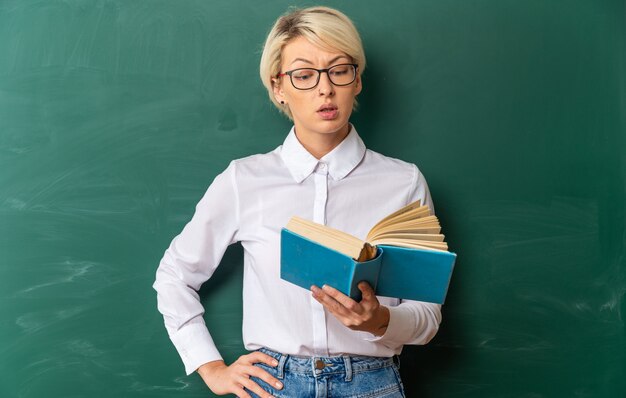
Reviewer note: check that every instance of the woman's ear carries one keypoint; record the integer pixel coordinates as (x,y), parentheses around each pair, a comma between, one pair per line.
(359,85)
(278,91)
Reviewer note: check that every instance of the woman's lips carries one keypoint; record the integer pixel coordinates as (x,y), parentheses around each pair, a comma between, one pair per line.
(328,112)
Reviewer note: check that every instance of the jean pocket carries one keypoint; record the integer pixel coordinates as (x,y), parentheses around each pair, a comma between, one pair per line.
(396,371)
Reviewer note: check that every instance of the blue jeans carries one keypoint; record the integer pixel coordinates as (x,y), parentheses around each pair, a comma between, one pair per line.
(332,377)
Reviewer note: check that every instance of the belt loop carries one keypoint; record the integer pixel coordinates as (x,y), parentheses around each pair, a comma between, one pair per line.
(348,363)
(396,360)
(280,368)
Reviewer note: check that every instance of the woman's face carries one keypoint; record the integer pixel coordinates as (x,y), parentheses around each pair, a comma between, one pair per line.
(324,109)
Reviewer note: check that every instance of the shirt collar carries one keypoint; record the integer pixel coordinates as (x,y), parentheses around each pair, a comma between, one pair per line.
(341,160)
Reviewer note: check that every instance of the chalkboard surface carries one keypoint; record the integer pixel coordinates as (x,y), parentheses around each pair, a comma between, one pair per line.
(116,115)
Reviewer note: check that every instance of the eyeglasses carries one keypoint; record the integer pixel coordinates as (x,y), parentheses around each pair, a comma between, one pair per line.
(308,78)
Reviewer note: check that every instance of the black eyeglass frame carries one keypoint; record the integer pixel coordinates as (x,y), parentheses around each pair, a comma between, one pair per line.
(319,74)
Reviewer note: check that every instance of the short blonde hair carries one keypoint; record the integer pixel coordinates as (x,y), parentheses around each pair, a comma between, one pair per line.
(323,26)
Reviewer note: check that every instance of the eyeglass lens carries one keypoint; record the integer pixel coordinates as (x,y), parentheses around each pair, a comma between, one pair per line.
(339,75)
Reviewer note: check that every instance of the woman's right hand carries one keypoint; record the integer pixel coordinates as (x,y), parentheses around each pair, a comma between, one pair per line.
(222,379)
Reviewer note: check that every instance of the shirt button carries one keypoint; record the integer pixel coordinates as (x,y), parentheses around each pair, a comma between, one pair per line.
(322,166)
(319,364)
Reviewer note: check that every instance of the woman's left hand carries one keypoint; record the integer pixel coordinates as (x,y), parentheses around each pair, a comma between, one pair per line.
(367,315)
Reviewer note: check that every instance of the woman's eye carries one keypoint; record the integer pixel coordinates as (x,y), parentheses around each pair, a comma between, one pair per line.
(339,71)
(302,76)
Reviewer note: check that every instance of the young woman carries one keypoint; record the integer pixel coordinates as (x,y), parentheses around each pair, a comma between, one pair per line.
(304,343)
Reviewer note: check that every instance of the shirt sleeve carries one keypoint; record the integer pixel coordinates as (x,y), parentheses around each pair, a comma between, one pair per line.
(190,260)
(412,322)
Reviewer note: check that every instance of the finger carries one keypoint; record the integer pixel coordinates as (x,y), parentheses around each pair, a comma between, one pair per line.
(341,313)
(265,376)
(329,302)
(367,292)
(240,392)
(255,388)
(260,357)
(345,301)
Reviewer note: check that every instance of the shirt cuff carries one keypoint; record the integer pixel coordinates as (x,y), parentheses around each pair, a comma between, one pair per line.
(195,346)
(399,330)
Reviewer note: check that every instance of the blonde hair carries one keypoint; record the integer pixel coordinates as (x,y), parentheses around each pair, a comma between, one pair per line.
(323,26)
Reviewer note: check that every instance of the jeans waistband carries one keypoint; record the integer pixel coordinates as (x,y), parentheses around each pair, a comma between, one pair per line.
(319,366)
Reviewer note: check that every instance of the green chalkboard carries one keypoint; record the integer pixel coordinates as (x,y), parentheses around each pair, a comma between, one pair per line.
(116,115)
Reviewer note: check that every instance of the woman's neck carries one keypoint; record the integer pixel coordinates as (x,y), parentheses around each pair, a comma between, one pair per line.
(318,144)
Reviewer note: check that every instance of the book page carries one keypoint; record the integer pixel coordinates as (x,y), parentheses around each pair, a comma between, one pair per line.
(414,214)
(411,236)
(441,246)
(426,225)
(403,210)
(327,236)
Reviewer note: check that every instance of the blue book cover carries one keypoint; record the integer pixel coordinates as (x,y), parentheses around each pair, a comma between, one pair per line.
(415,274)
(406,273)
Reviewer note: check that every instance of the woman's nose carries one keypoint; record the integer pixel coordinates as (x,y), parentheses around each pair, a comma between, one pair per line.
(325,86)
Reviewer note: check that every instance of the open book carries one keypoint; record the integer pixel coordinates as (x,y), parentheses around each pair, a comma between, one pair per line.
(404,256)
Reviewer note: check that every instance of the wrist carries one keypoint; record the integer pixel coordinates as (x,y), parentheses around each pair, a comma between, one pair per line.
(382,321)
(208,368)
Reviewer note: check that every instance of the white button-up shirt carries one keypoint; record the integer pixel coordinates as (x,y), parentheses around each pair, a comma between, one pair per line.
(350,188)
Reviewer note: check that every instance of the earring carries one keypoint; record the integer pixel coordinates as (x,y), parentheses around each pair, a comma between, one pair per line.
(282,102)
